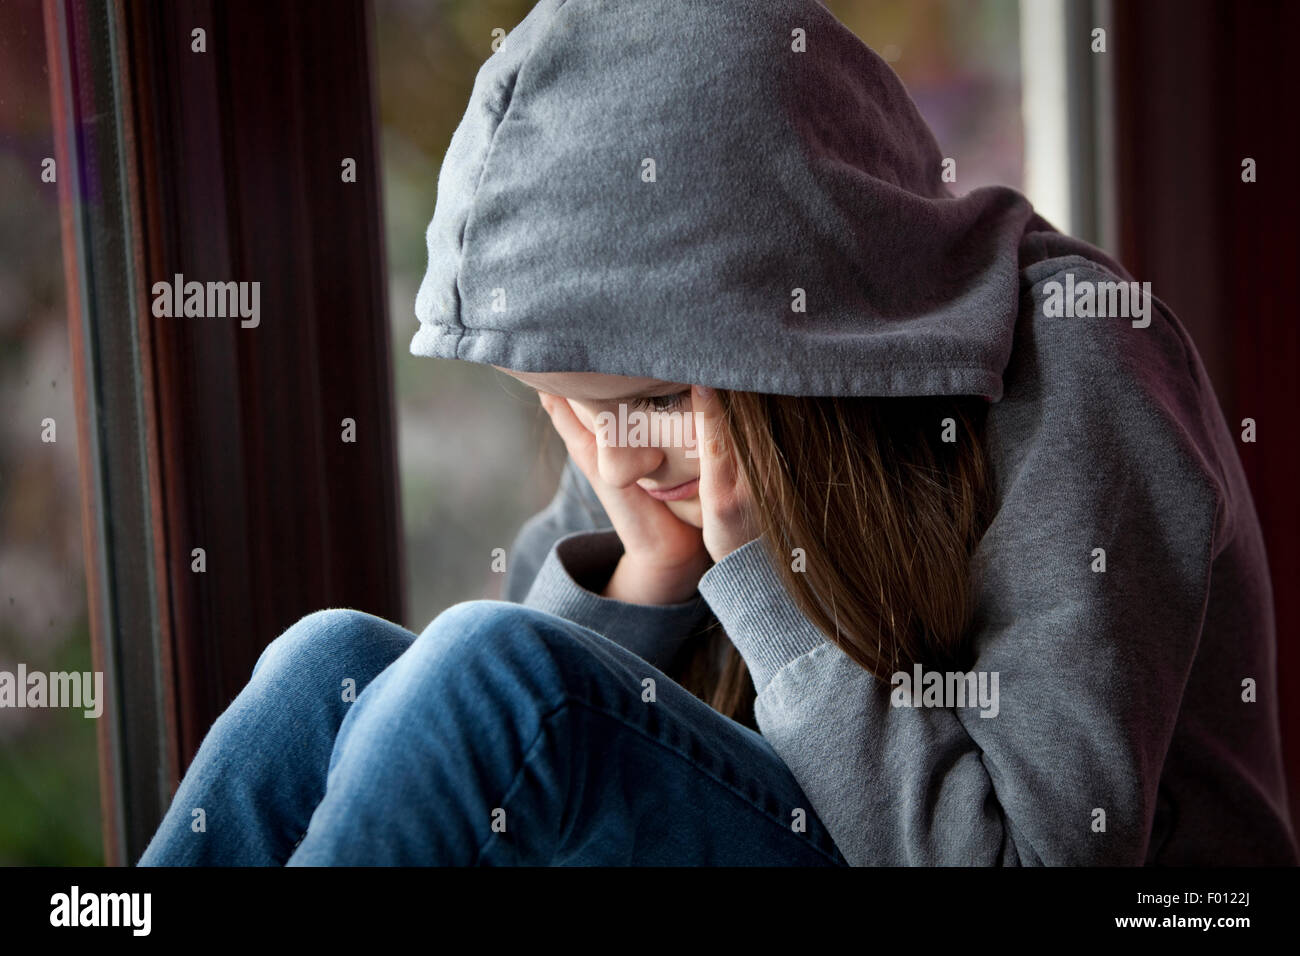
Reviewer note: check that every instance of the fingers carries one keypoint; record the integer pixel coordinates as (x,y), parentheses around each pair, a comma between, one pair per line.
(725,501)
(649,531)
(717,466)
(577,439)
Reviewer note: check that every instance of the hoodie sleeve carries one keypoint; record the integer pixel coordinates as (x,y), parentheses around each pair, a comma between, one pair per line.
(575,507)
(1092,649)
(563,557)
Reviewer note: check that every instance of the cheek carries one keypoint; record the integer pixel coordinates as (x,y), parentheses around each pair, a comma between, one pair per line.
(684,462)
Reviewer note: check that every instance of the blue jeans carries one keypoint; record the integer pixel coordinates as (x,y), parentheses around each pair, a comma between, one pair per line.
(502,735)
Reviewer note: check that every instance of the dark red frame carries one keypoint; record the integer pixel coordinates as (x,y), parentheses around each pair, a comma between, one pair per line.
(1199,87)
(220,166)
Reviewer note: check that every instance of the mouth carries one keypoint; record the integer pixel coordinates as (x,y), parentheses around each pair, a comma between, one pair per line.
(687,489)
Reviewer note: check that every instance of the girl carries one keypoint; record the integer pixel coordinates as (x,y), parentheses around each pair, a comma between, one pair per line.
(955,574)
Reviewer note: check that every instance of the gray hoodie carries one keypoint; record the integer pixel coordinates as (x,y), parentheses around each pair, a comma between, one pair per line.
(739,193)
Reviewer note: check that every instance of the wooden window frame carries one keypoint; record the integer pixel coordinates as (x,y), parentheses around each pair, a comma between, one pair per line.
(222,165)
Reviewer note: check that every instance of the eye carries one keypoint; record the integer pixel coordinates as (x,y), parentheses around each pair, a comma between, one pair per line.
(660,403)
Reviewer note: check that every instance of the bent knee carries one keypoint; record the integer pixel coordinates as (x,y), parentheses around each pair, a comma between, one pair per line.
(503,637)
(479,624)
(486,616)
(331,637)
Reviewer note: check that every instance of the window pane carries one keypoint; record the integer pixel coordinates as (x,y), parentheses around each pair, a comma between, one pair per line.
(960,61)
(49,776)
(467,442)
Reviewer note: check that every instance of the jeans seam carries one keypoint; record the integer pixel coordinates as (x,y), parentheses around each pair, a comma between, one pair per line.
(574,701)
(514,782)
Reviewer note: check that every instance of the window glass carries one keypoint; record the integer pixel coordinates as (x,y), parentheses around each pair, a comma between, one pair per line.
(49,770)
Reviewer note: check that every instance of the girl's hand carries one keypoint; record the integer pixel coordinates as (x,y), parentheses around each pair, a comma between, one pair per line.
(663,556)
(725,499)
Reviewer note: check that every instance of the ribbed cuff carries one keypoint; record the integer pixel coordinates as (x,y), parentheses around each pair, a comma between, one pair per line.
(757,612)
(654,632)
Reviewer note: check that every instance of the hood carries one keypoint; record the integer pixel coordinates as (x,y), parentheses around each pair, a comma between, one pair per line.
(672,189)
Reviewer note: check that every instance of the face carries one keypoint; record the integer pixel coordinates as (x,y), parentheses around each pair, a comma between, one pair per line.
(654,469)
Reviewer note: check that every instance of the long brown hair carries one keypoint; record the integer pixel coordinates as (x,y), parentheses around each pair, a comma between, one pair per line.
(888,498)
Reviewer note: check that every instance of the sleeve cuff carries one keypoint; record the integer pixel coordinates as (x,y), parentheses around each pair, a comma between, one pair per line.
(758,614)
(654,633)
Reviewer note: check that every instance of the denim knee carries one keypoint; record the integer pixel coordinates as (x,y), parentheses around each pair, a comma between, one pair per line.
(477,625)
(332,639)
(522,646)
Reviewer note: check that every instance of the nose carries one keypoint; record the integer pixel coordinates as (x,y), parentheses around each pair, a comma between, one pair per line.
(620,466)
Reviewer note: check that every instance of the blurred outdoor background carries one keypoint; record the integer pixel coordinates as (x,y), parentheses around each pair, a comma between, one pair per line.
(466,432)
